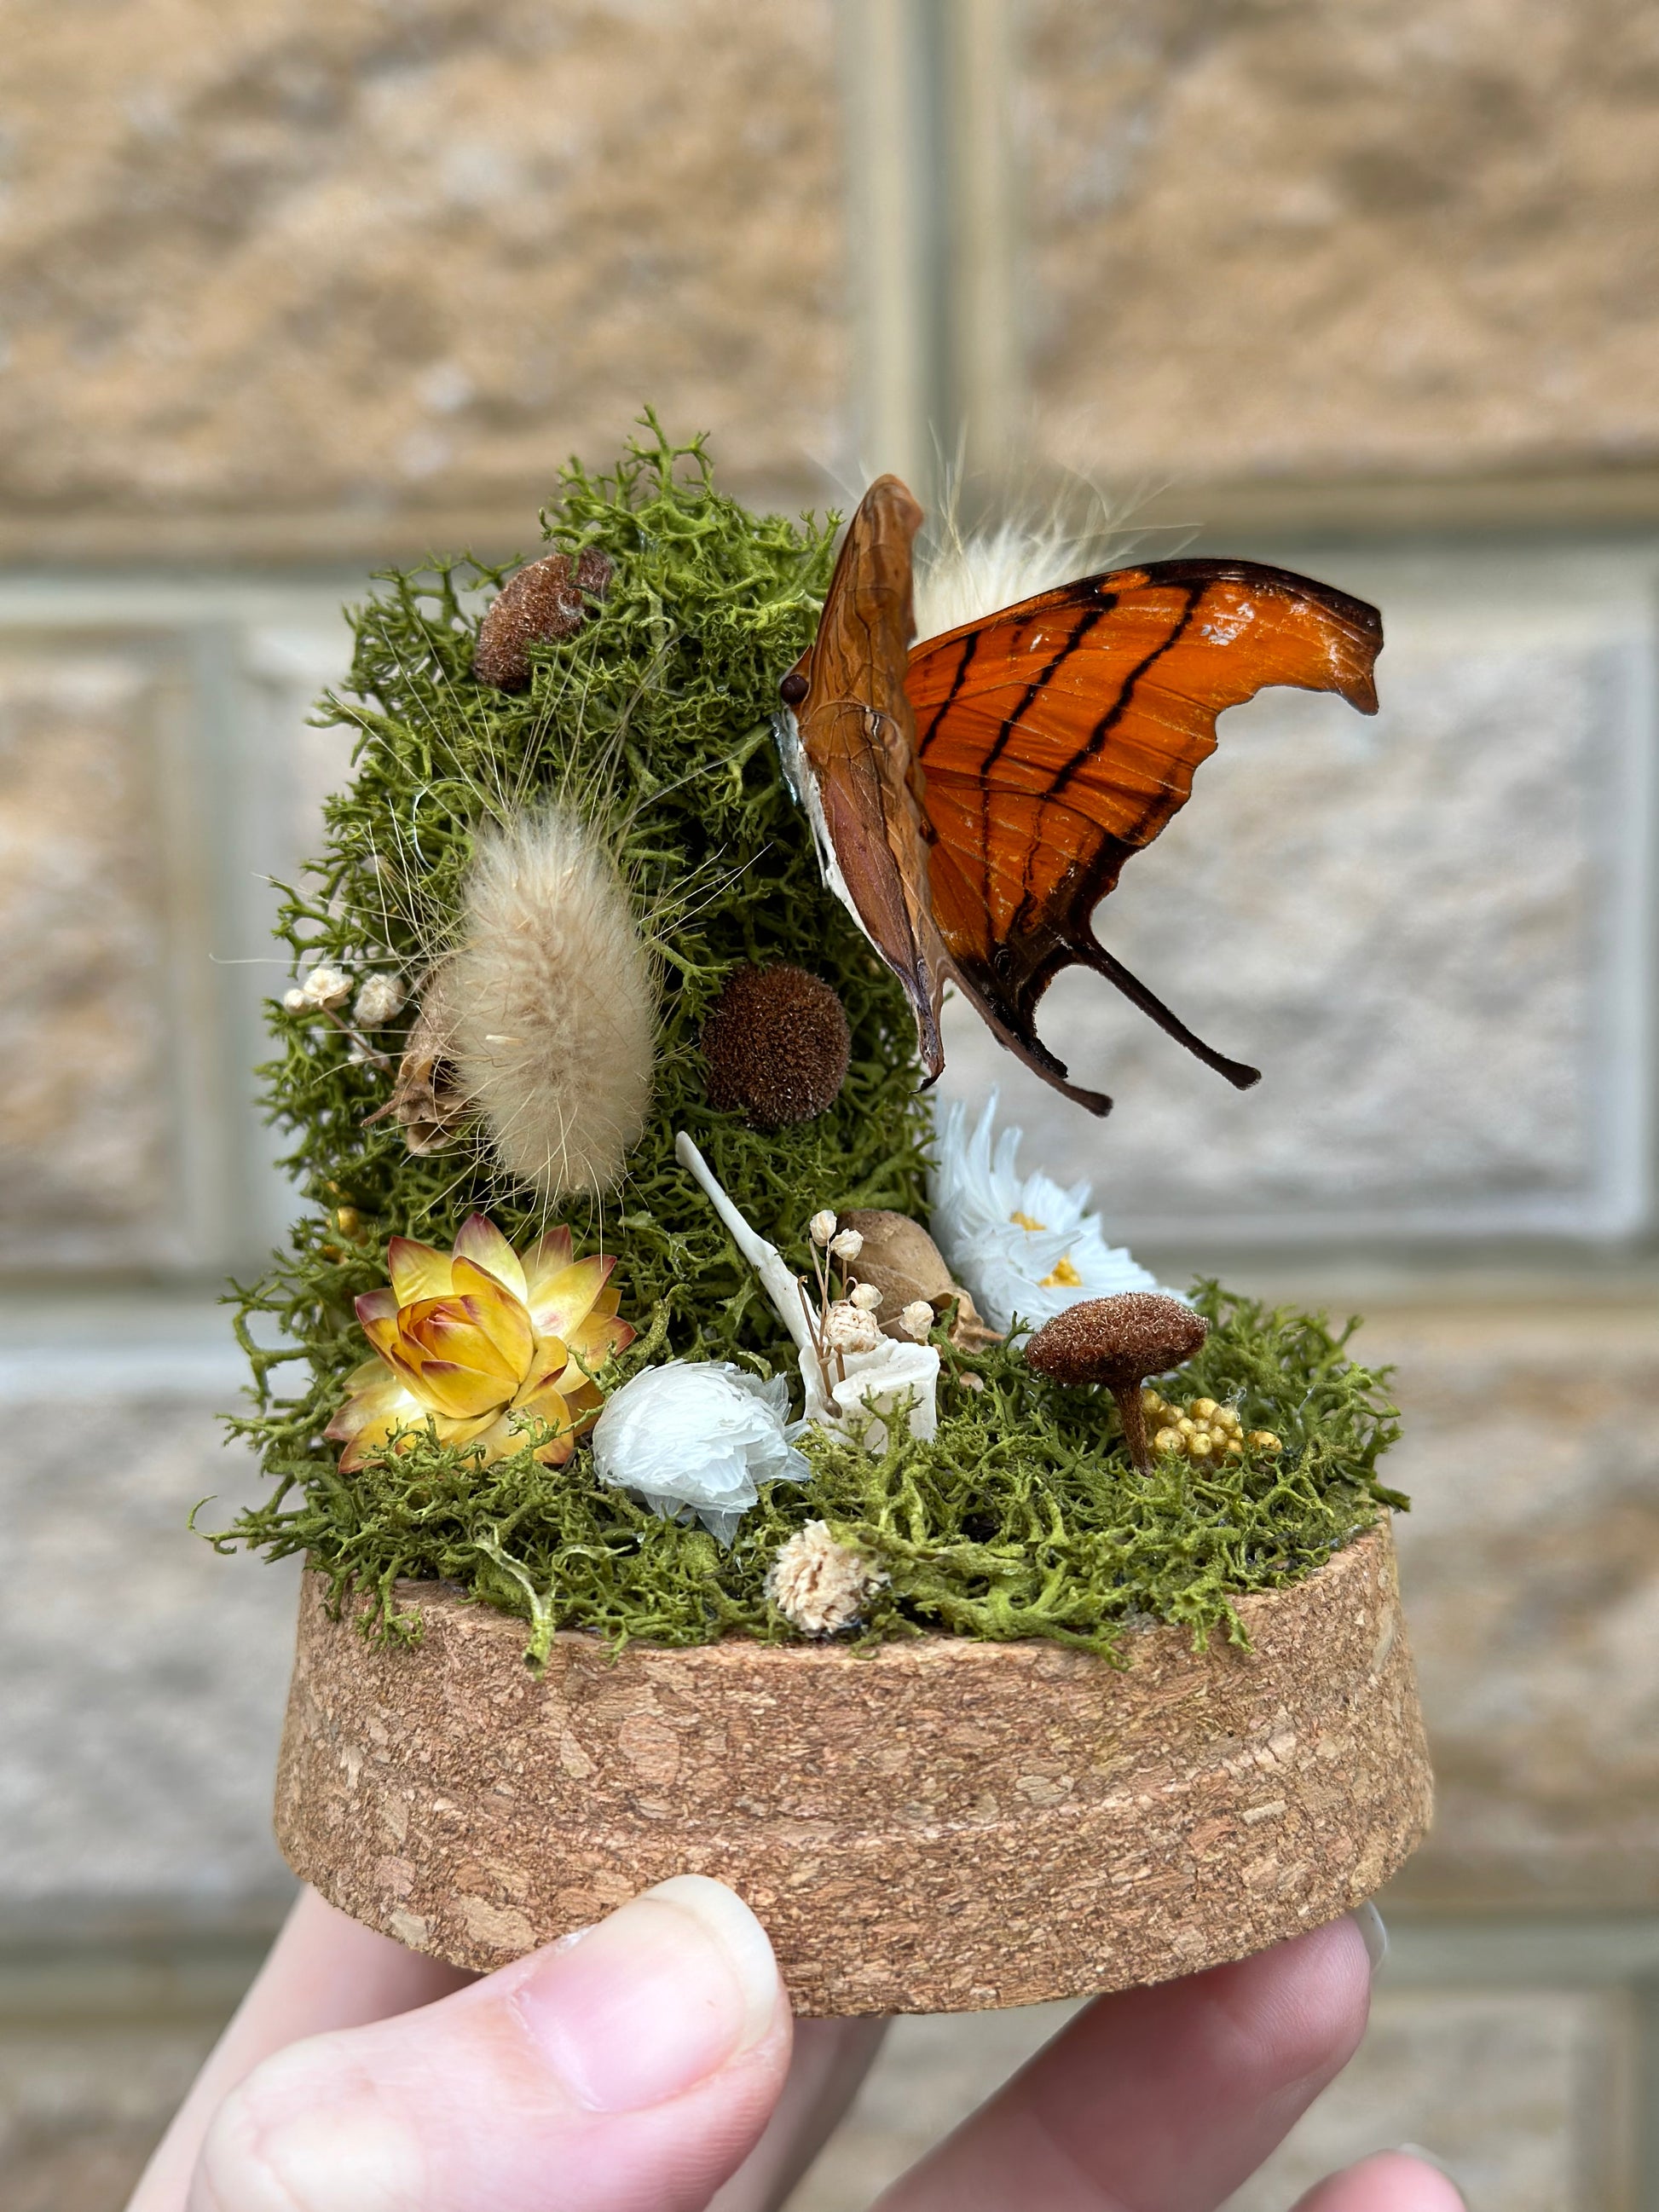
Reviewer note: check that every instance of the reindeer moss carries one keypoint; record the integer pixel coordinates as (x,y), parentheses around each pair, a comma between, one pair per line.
(1022,1518)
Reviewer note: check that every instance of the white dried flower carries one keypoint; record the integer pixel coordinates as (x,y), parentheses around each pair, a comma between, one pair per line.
(326,986)
(823,1226)
(296,1001)
(892,1381)
(850,1328)
(847,1245)
(1020,1243)
(818,1585)
(917,1320)
(865,1296)
(696,1437)
(379,1000)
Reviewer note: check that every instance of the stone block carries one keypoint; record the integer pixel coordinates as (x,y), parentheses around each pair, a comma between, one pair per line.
(145,1675)
(1272,242)
(1429,929)
(1530,1568)
(352,276)
(90,1107)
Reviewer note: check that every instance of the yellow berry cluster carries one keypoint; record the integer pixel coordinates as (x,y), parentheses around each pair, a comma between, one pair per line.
(1203,1430)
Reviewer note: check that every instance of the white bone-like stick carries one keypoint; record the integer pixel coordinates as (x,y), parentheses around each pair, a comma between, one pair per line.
(778,1281)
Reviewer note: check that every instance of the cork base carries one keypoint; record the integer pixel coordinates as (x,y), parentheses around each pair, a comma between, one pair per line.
(938,1826)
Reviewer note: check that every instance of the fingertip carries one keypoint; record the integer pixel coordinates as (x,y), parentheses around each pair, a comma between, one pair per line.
(1305,2003)
(1389,2181)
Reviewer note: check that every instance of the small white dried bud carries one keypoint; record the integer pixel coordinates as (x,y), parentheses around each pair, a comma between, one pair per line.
(818,1585)
(296,1001)
(917,1320)
(327,986)
(849,1328)
(865,1296)
(823,1226)
(847,1245)
(379,1000)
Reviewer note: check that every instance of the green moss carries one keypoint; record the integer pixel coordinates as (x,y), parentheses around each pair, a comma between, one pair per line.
(1022,1518)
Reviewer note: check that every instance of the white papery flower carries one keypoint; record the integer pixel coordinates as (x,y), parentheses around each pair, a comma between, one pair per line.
(863,1391)
(698,1437)
(1020,1243)
(379,1000)
(823,1226)
(327,986)
(849,1327)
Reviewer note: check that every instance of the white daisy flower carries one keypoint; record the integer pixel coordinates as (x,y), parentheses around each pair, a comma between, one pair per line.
(697,1436)
(1020,1243)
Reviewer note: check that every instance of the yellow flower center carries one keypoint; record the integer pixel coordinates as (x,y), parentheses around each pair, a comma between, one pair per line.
(1024,1220)
(1064,1277)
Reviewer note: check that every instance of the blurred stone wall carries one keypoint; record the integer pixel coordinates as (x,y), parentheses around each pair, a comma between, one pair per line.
(286,290)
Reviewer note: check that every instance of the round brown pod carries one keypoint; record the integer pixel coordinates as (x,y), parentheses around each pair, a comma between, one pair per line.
(938,1825)
(777,1045)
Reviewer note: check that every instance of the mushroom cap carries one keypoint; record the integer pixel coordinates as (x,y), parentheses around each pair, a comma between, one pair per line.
(1117,1341)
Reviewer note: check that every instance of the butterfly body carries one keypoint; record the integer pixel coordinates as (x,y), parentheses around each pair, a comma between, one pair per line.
(976,796)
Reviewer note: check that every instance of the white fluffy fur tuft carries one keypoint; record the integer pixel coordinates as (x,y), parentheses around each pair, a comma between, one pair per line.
(553,998)
(962,576)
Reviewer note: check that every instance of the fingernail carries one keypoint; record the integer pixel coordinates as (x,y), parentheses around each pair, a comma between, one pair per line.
(656,1998)
(1433,2159)
(1374,1935)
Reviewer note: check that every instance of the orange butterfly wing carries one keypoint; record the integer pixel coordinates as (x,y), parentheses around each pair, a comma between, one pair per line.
(1058,737)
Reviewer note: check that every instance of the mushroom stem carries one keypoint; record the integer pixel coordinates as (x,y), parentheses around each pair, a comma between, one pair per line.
(1131,1414)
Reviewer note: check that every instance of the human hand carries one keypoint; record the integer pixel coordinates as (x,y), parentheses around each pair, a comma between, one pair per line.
(651,2064)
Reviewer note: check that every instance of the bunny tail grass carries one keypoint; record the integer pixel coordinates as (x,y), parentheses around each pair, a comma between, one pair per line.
(553,1004)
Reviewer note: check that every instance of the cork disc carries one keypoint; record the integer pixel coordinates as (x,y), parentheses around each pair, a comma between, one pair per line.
(937,1826)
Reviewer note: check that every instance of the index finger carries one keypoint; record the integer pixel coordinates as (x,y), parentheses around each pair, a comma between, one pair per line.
(1165,2099)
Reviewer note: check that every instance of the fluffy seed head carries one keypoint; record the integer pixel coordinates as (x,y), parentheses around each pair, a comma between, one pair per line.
(552,1003)
(777,1045)
(1117,1341)
(818,1585)
(546,600)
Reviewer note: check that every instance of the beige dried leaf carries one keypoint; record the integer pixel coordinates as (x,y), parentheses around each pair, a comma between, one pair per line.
(427,1099)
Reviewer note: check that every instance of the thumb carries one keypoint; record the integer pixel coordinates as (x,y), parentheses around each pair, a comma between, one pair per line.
(630,2066)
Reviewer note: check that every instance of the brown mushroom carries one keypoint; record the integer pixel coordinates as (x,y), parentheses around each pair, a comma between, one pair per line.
(1119,1342)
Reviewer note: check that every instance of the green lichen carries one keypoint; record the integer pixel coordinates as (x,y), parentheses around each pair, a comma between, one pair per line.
(1022,1517)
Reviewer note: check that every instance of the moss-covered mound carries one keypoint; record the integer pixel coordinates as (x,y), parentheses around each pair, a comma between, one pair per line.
(1023,1518)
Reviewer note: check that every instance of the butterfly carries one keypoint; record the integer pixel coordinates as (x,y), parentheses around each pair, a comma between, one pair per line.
(974,796)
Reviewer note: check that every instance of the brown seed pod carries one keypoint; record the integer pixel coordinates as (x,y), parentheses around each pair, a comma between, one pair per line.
(426,1101)
(905,1264)
(547,599)
(777,1045)
(1119,1342)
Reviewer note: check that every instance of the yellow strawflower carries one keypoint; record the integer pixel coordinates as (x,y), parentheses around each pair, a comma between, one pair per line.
(479,1340)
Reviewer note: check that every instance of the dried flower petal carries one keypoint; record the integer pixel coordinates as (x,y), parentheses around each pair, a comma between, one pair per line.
(327,986)
(697,1436)
(823,1226)
(296,1001)
(849,1328)
(865,1296)
(379,1000)
(847,1245)
(818,1585)
(917,1320)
